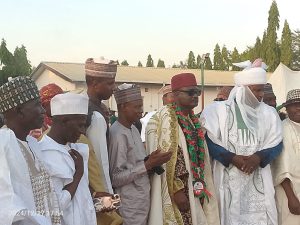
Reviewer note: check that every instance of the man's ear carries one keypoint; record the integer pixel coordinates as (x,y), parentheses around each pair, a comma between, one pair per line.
(94,82)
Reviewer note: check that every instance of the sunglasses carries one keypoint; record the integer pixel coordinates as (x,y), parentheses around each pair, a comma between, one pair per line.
(192,92)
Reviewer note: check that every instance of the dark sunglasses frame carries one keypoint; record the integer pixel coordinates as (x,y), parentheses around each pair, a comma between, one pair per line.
(192,92)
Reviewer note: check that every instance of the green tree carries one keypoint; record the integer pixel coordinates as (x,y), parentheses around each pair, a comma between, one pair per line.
(7,63)
(286,45)
(256,50)
(161,63)
(225,59)
(263,47)
(235,58)
(208,64)
(182,65)
(22,64)
(247,54)
(272,50)
(124,63)
(140,64)
(217,58)
(198,62)
(149,61)
(191,63)
(296,50)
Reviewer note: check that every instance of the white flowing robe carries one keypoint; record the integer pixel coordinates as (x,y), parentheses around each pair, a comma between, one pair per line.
(79,210)
(16,192)
(243,199)
(287,165)
(96,133)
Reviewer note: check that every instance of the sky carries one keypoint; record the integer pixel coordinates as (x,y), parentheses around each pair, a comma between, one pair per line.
(74,30)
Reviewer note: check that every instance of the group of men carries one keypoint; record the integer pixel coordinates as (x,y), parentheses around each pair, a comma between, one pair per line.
(233,165)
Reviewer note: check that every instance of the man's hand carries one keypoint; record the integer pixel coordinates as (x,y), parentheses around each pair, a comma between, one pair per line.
(251,164)
(294,205)
(78,161)
(101,195)
(181,201)
(157,158)
(239,161)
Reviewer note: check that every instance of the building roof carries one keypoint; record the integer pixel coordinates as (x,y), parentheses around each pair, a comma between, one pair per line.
(74,72)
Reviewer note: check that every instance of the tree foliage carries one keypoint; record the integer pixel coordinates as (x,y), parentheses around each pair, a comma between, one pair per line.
(272,48)
(235,58)
(295,65)
(124,63)
(217,58)
(208,64)
(13,65)
(161,63)
(256,53)
(225,59)
(198,62)
(191,62)
(149,61)
(140,64)
(286,45)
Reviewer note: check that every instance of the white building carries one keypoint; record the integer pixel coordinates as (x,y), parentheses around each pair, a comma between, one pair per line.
(71,76)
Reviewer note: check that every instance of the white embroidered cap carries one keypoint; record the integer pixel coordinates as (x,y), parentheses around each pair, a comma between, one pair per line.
(69,104)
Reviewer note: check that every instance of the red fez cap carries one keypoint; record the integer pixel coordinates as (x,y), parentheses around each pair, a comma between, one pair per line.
(49,91)
(183,80)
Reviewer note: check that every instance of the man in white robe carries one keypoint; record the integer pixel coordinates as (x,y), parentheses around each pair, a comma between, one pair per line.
(244,135)
(27,195)
(286,168)
(100,80)
(67,160)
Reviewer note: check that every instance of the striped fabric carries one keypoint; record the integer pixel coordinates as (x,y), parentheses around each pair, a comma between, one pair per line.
(98,68)
(129,94)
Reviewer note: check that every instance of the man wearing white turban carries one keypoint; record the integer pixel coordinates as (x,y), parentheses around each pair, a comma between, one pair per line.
(244,135)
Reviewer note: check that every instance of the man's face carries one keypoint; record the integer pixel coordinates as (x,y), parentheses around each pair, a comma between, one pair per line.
(293,111)
(104,87)
(168,98)
(74,125)
(187,97)
(258,91)
(32,114)
(133,111)
(270,99)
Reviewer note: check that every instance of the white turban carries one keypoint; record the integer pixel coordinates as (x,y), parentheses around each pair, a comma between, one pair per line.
(253,73)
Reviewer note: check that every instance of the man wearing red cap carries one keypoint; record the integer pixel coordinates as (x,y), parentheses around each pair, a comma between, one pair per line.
(47,93)
(185,193)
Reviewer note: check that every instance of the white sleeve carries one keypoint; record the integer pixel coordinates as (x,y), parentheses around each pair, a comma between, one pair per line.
(64,196)
(96,133)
